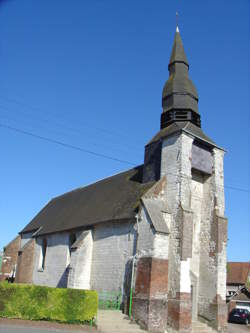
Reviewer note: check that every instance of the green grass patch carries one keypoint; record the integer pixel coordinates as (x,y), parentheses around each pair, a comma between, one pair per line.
(45,303)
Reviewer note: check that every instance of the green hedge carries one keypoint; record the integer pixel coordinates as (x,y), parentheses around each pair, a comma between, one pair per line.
(44,303)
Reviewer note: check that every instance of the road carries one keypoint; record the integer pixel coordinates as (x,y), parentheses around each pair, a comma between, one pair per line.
(28,326)
(235,328)
(15,329)
(232,328)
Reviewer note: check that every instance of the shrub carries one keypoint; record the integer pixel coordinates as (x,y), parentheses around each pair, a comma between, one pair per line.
(45,303)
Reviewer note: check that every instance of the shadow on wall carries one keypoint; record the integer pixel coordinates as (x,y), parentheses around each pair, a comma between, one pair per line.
(63,282)
(127,286)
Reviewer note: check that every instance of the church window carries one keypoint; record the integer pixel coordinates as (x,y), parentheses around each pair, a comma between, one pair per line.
(43,254)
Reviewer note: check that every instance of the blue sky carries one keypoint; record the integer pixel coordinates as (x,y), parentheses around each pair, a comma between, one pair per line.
(91,73)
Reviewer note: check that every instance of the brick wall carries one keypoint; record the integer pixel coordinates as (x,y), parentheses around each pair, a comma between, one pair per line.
(150,293)
(10,258)
(25,263)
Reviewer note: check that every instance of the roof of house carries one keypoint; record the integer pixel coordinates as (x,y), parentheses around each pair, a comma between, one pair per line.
(113,198)
(237,272)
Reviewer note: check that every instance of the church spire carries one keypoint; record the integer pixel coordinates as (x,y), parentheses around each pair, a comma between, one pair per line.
(179,97)
(178,53)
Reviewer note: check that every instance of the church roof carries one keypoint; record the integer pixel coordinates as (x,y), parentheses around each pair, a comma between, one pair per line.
(111,199)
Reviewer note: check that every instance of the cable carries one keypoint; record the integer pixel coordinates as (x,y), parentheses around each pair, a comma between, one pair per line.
(64,144)
(75,132)
(87,125)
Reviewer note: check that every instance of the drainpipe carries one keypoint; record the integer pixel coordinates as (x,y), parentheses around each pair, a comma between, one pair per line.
(133,268)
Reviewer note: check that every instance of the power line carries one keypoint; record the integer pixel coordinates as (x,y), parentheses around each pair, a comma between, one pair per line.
(73,131)
(67,145)
(64,144)
(86,125)
(237,189)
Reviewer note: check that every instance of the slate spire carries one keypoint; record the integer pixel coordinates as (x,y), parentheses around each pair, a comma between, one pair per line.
(179,96)
(178,53)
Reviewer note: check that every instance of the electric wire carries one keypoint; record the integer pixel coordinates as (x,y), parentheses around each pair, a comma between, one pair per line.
(74,132)
(64,144)
(70,146)
(85,125)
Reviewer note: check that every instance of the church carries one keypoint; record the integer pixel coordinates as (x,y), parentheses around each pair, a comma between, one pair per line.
(157,230)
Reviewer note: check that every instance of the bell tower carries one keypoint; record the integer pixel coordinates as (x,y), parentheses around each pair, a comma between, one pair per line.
(187,167)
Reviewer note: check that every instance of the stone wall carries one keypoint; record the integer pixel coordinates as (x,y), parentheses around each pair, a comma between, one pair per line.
(146,234)
(213,238)
(114,244)
(150,274)
(176,167)
(81,262)
(55,273)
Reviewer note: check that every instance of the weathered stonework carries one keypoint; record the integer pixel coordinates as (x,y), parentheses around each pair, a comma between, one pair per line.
(81,262)
(55,272)
(114,244)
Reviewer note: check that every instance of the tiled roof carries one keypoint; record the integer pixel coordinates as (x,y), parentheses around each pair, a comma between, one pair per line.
(113,198)
(237,272)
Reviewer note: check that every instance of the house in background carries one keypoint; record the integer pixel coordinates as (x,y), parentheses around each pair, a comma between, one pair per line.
(162,223)
(238,276)
(238,285)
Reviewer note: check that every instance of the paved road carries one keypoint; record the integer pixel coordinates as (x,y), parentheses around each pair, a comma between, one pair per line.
(234,328)
(27,326)
(17,329)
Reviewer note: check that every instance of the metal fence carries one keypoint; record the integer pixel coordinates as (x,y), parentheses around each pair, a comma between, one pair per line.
(110,300)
